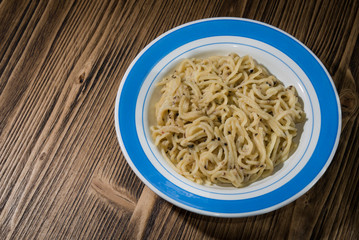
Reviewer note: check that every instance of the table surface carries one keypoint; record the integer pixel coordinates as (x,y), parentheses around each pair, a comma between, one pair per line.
(62,172)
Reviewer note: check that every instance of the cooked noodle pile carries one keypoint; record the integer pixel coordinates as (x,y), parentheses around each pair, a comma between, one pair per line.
(225,119)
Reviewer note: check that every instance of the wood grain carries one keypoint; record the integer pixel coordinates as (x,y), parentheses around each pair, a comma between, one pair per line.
(62,172)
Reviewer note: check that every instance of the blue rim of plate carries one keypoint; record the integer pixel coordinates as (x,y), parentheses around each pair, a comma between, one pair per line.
(144,62)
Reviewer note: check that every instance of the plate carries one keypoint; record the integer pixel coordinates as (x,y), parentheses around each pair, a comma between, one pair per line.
(286,58)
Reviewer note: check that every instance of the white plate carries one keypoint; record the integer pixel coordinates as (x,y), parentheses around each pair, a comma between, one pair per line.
(286,58)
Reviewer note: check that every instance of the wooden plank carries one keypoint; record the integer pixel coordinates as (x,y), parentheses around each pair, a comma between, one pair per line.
(62,173)
(56,148)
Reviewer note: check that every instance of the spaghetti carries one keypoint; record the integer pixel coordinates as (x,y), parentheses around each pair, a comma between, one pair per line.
(225,119)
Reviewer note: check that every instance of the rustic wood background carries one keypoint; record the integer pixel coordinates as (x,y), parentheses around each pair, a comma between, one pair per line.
(62,173)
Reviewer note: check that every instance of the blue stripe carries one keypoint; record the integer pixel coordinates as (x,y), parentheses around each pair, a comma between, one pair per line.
(224,27)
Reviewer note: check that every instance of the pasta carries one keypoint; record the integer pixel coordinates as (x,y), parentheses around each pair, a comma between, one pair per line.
(225,119)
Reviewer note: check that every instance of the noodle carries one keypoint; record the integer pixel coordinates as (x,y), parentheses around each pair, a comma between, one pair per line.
(225,119)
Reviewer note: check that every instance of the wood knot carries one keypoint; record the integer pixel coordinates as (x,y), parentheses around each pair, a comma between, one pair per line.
(82,77)
(42,156)
(348,101)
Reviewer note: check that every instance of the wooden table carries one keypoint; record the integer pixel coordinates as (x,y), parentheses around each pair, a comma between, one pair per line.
(62,173)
